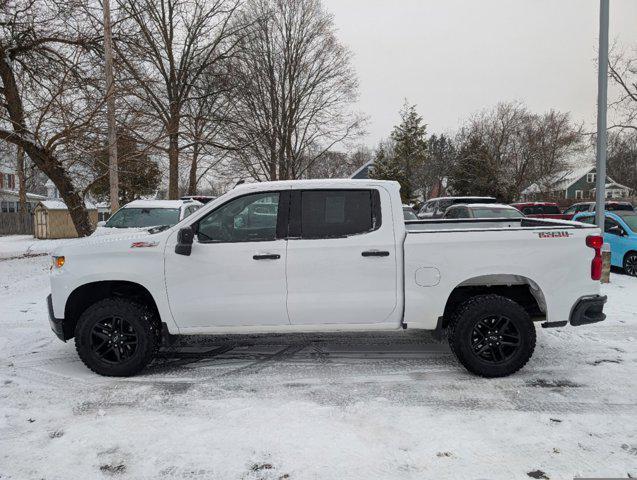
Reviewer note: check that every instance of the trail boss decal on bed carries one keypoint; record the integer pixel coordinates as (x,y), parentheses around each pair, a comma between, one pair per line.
(562,234)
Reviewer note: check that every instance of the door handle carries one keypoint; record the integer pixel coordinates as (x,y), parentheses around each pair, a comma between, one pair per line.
(266,256)
(375,253)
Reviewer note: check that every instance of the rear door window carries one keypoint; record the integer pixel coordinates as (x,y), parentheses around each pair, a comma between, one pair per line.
(549,210)
(619,207)
(338,213)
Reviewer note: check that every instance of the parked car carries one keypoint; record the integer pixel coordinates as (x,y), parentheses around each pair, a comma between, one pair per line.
(436,207)
(611,206)
(409,213)
(144,214)
(335,257)
(620,232)
(483,210)
(203,199)
(540,210)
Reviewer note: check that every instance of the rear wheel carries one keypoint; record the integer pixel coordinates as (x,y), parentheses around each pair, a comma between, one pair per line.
(116,337)
(491,335)
(630,264)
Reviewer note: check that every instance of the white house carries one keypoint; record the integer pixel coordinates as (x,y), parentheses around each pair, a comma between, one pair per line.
(9,196)
(576,184)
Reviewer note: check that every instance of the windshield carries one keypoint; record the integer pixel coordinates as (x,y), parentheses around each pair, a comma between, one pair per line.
(143,217)
(485,212)
(409,214)
(630,219)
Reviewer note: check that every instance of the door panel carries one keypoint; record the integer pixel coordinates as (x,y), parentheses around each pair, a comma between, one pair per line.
(347,279)
(235,274)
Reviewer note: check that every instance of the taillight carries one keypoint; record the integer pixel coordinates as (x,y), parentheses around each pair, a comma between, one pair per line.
(596,242)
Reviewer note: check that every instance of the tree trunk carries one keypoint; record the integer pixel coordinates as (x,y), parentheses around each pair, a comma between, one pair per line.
(45,160)
(113,179)
(173,156)
(22,182)
(192,179)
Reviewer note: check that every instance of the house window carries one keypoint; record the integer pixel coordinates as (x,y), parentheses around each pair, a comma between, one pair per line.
(579,194)
(590,177)
(8,181)
(12,206)
(4,206)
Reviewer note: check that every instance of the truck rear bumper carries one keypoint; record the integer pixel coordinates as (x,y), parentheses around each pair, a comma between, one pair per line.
(589,309)
(57,324)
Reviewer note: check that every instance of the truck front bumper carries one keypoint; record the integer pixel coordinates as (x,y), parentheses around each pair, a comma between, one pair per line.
(589,309)
(58,325)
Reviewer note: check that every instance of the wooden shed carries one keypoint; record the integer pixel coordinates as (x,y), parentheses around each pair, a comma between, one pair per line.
(52,219)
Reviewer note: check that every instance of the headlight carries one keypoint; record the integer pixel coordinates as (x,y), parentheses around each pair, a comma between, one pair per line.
(57,262)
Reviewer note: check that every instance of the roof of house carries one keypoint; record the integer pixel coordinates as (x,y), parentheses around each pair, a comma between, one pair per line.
(363,172)
(30,196)
(562,180)
(60,205)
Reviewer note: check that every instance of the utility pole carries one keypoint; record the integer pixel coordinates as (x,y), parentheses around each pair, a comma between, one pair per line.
(602,100)
(110,110)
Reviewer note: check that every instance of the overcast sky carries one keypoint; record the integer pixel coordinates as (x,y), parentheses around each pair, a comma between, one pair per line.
(454,57)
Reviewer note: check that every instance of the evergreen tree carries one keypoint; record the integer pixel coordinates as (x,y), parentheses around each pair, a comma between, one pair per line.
(138,174)
(440,161)
(403,157)
(473,172)
(409,139)
(385,167)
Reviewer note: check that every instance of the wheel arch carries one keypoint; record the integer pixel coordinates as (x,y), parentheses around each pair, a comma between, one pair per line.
(86,295)
(519,288)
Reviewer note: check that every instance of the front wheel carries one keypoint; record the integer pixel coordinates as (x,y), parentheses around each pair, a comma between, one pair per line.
(492,336)
(630,264)
(116,337)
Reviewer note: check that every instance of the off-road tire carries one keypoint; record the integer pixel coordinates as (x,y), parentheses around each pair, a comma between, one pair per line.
(461,334)
(138,319)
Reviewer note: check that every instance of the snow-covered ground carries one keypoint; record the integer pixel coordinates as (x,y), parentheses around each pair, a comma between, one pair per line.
(379,406)
(13,246)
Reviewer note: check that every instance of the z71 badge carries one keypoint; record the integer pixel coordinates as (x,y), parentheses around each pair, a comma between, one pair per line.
(561,234)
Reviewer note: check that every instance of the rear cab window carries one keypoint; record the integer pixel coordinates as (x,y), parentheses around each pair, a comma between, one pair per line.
(335,213)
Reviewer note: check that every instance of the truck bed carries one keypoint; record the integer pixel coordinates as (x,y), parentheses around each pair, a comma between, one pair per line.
(550,256)
(475,224)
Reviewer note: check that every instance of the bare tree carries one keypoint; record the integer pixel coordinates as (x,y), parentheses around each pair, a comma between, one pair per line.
(295,88)
(553,142)
(339,164)
(623,72)
(622,158)
(164,47)
(514,148)
(50,93)
(205,121)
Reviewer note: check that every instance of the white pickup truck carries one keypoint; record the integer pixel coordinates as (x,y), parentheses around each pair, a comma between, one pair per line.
(325,255)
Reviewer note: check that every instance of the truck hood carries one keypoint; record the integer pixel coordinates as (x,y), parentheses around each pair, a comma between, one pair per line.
(105,244)
(99,231)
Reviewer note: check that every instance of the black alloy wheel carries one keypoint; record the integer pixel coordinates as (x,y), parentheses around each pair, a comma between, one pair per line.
(113,340)
(630,264)
(495,339)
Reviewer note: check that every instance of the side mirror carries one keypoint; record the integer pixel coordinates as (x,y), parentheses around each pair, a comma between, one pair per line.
(185,237)
(101,224)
